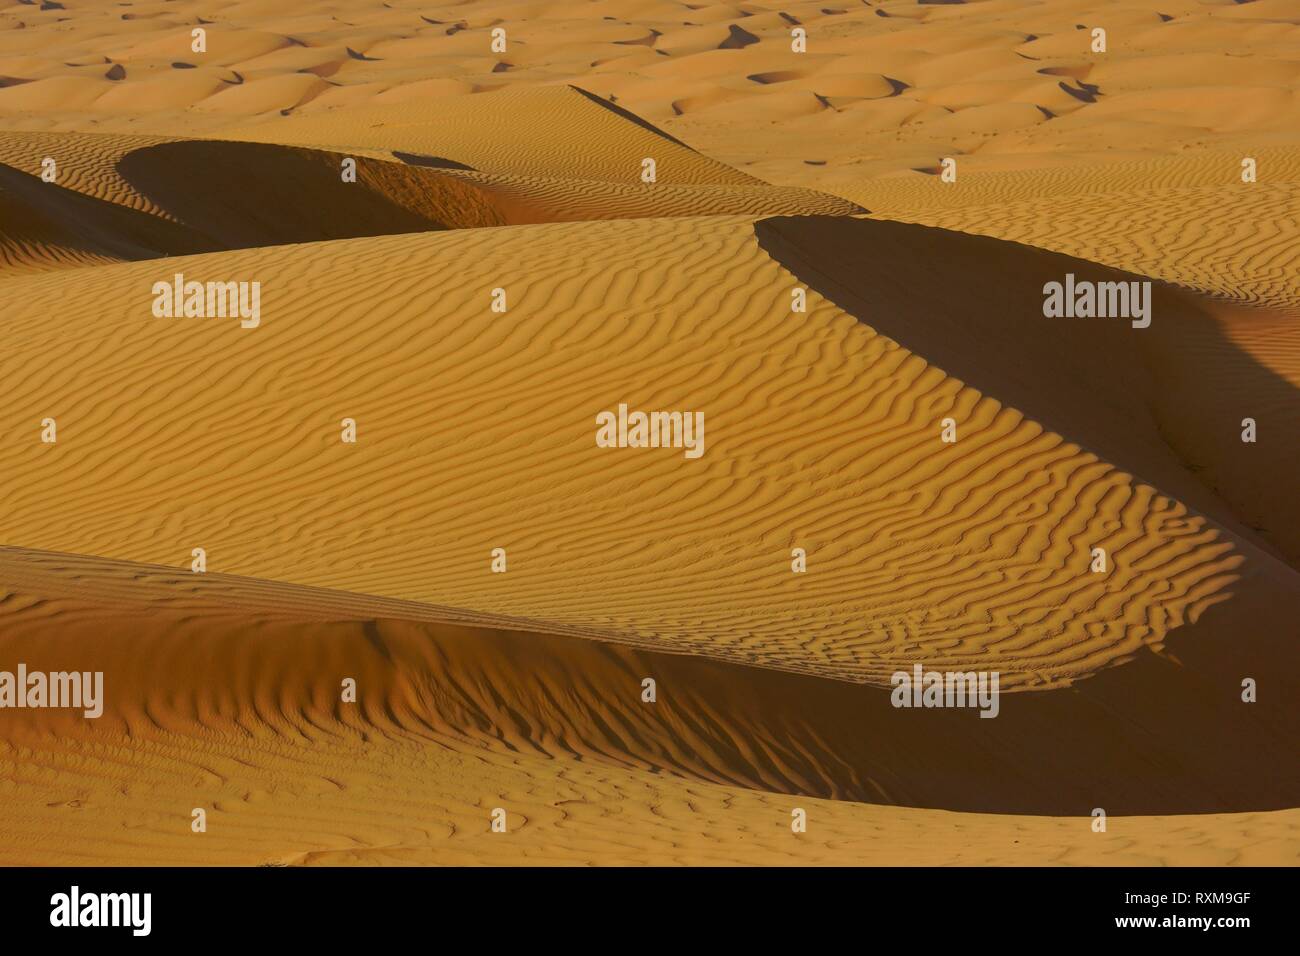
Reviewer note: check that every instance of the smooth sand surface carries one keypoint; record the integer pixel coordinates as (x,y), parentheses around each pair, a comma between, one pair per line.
(522,171)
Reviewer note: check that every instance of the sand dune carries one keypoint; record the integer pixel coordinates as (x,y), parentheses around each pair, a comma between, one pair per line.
(1177,392)
(828,437)
(518,150)
(522,172)
(245,203)
(460,713)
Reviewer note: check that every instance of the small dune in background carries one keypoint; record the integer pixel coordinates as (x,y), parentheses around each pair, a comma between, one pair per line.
(522,171)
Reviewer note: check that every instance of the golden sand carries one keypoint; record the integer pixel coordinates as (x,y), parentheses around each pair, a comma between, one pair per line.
(520,174)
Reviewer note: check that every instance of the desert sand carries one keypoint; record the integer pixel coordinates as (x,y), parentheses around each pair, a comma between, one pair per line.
(517,175)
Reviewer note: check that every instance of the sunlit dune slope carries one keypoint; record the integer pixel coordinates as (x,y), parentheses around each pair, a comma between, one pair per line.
(86,163)
(553,132)
(548,154)
(477,431)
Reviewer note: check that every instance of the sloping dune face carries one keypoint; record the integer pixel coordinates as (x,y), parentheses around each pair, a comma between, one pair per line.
(405,169)
(972,556)
(820,433)
(324,351)
(223,697)
(44,230)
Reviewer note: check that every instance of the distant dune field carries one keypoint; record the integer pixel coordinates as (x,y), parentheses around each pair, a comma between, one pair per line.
(386,650)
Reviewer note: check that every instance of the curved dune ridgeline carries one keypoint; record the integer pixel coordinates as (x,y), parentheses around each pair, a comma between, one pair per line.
(1164,402)
(823,434)
(257,194)
(47,227)
(232,684)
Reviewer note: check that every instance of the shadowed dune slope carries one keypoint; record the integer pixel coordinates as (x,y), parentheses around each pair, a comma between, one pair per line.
(1165,402)
(245,201)
(260,195)
(225,693)
(145,206)
(44,226)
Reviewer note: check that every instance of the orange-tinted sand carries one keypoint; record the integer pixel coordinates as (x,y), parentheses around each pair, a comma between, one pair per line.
(522,171)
